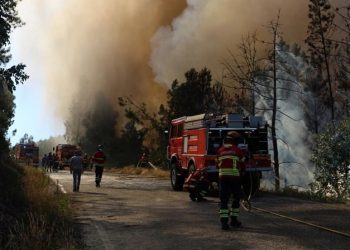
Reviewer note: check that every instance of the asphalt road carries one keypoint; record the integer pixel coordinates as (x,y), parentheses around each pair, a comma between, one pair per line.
(131,212)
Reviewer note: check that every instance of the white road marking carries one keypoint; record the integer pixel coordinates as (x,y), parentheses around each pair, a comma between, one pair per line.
(104,237)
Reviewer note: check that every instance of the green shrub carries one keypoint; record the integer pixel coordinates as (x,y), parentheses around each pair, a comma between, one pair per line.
(331,156)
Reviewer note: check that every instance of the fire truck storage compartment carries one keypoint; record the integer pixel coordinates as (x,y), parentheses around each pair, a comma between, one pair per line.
(235,121)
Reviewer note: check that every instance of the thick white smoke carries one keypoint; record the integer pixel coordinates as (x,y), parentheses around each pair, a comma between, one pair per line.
(204,33)
(294,138)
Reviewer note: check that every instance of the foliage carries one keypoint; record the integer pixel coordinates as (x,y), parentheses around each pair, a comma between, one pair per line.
(7,107)
(26,139)
(331,156)
(34,215)
(343,76)
(244,70)
(99,124)
(194,96)
(305,194)
(9,76)
(131,141)
(146,129)
(75,129)
(321,46)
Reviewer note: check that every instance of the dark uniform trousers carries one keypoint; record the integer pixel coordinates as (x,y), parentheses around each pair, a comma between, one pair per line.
(228,187)
(98,174)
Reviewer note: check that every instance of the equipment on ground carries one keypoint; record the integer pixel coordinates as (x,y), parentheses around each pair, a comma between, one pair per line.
(194,140)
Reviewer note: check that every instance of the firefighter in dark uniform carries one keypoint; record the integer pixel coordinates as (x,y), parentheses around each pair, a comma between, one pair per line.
(198,185)
(98,160)
(230,163)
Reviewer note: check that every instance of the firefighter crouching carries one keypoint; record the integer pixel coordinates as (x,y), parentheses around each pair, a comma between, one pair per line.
(98,160)
(198,184)
(230,163)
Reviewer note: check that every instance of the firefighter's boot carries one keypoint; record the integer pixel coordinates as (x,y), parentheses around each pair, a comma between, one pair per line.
(224,224)
(193,196)
(235,222)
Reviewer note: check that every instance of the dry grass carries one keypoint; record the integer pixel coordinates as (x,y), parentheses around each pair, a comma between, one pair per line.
(47,222)
(149,171)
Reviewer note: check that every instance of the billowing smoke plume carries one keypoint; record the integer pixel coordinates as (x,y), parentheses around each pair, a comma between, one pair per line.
(92,46)
(207,30)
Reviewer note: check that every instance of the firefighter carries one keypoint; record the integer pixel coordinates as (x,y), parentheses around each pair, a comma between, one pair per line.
(55,164)
(49,162)
(198,185)
(76,168)
(43,161)
(99,159)
(230,163)
(143,162)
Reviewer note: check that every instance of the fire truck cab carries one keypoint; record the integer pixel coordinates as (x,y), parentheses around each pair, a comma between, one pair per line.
(64,152)
(194,140)
(27,153)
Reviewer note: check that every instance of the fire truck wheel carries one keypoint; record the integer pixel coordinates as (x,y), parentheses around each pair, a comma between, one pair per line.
(177,181)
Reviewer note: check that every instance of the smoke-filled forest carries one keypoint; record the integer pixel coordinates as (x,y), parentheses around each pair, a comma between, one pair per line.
(299,81)
(113,75)
(128,67)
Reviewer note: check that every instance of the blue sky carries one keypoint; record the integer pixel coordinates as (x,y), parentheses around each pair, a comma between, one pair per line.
(32,116)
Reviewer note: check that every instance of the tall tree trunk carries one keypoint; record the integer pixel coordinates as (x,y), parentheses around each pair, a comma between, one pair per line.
(325,55)
(274,113)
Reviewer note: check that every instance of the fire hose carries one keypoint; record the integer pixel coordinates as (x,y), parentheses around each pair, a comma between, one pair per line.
(302,222)
(245,203)
(248,207)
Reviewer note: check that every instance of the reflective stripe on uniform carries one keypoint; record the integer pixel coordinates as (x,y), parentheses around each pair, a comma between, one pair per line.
(230,157)
(203,192)
(223,213)
(228,172)
(234,212)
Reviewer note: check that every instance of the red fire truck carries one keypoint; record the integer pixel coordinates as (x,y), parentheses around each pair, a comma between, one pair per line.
(64,152)
(194,140)
(27,153)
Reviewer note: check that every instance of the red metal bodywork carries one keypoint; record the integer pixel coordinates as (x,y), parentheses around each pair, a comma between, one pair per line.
(194,140)
(64,152)
(27,152)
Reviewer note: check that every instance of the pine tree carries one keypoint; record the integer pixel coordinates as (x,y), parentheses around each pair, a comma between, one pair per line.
(320,46)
